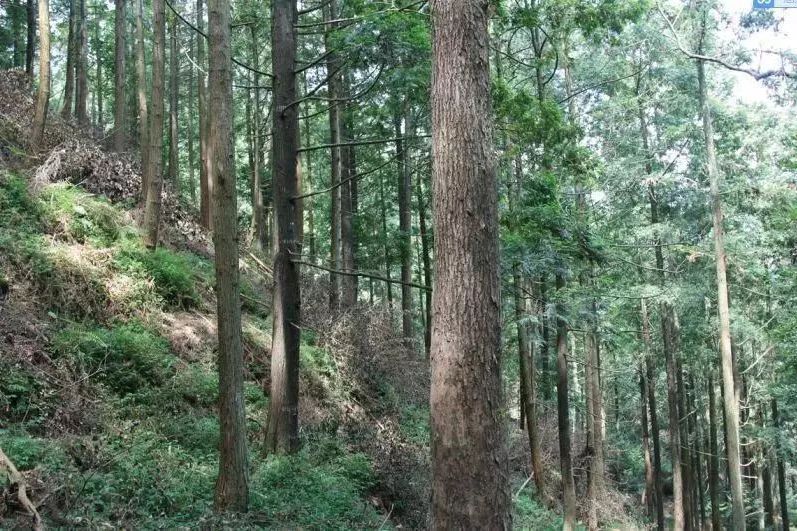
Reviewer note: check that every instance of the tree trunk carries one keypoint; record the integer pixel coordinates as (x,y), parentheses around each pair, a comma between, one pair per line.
(205,155)
(348,283)
(334,90)
(686,456)
(650,390)
(154,174)
(258,208)
(16,12)
(143,111)
(174,87)
(766,477)
(81,67)
(190,133)
(730,405)
(98,96)
(120,112)
(713,465)
(310,210)
(385,245)
(427,262)
(43,93)
(69,83)
(405,220)
(282,434)
(649,495)
(470,487)
(782,493)
(30,47)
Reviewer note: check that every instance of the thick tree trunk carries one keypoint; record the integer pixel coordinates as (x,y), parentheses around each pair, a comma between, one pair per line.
(143,110)
(174,87)
(405,219)
(232,484)
(730,404)
(43,93)
(30,47)
(120,111)
(205,154)
(470,488)
(69,83)
(282,434)
(563,414)
(153,173)
(81,66)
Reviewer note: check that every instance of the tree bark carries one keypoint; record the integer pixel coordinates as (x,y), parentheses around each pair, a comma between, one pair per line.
(143,111)
(348,283)
(81,67)
(205,155)
(98,95)
(730,405)
(385,245)
(232,484)
(427,261)
(258,207)
(470,488)
(43,92)
(334,91)
(154,174)
(120,112)
(174,87)
(69,83)
(190,115)
(30,47)
(405,219)
(783,494)
(649,495)
(713,465)
(650,390)
(282,434)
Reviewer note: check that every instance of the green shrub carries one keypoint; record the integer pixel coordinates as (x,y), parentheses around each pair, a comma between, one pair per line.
(414,424)
(76,215)
(17,388)
(171,272)
(126,358)
(18,210)
(530,514)
(27,452)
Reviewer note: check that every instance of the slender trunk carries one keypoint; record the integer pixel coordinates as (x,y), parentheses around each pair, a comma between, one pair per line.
(385,245)
(310,209)
(782,493)
(258,207)
(546,381)
(713,467)
(427,261)
(120,112)
(43,93)
(174,87)
(334,89)
(205,154)
(766,476)
(69,84)
(30,47)
(686,456)
(730,405)
(649,495)
(16,12)
(81,66)
(282,434)
(470,487)
(100,121)
(650,389)
(348,283)
(190,131)
(154,174)
(563,414)
(143,111)
(405,219)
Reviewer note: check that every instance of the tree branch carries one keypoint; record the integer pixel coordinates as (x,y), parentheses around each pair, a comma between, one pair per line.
(362,274)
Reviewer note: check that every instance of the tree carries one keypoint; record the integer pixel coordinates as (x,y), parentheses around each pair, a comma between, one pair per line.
(232,490)
(205,183)
(174,89)
(469,459)
(69,84)
(153,176)
(43,93)
(81,66)
(282,433)
(120,111)
(141,85)
(30,48)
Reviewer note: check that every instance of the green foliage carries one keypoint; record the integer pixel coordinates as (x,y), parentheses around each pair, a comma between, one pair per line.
(171,272)
(530,514)
(75,215)
(28,452)
(415,424)
(17,388)
(126,357)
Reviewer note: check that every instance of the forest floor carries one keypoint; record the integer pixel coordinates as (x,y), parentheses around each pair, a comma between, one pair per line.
(107,368)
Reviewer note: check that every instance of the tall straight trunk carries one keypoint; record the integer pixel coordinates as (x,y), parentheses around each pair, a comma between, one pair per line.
(232,484)
(141,81)
(730,404)
(81,66)
(69,83)
(546,381)
(385,245)
(153,172)
(348,283)
(258,207)
(334,89)
(766,476)
(686,451)
(16,12)
(205,156)
(782,493)
(98,94)
(427,261)
(713,464)
(470,487)
(311,248)
(649,495)
(563,413)
(30,47)
(190,120)
(282,433)
(43,92)
(657,494)
(174,87)
(405,218)
(120,111)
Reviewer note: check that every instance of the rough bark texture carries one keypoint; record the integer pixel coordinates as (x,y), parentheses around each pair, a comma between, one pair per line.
(232,485)
(730,404)
(427,262)
(282,434)
(119,111)
(563,415)
(81,66)
(650,389)
(470,488)
(69,82)
(143,109)
(153,172)
(43,93)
